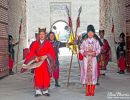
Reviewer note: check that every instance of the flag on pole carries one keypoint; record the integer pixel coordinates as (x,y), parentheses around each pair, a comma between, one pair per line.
(70,22)
(71,40)
(113,28)
(78,22)
(57,36)
(69,17)
(78,18)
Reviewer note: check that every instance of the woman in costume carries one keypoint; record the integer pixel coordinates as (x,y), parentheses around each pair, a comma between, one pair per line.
(121,54)
(104,57)
(89,50)
(56,45)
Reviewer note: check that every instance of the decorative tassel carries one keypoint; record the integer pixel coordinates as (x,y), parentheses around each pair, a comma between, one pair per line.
(80,56)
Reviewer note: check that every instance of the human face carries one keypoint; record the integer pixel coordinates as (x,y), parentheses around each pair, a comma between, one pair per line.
(52,37)
(42,35)
(121,39)
(90,34)
(11,40)
(101,35)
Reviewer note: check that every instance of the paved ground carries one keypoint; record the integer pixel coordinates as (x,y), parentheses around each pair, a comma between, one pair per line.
(112,86)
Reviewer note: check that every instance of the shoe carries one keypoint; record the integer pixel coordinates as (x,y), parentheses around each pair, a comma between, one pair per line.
(118,72)
(38,93)
(103,74)
(98,84)
(57,85)
(121,72)
(45,93)
(11,72)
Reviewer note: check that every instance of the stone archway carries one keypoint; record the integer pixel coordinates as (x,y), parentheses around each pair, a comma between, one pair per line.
(61,29)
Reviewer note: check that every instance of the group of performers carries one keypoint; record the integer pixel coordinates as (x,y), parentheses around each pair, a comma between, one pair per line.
(94,54)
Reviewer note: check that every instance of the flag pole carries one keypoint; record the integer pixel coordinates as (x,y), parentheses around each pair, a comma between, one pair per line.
(71,33)
(74,37)
(113,31)
(18,44)
(77,26)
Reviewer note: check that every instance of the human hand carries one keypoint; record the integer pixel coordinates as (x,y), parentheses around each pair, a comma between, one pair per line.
(23,70)
(43,57)
(37,59)
(93,54)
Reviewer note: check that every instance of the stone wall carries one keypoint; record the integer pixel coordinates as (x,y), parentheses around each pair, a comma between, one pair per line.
(40,15)
(112,10)
(16,12)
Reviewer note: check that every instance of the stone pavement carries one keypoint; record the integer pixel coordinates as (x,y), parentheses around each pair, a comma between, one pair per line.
(112,86)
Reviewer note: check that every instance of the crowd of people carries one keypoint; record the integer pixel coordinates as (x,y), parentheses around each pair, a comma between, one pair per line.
(94,54)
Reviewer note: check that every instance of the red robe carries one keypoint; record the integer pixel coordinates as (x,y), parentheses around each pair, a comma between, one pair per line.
(105,55)
(121,63)
(41,74)
(11,62)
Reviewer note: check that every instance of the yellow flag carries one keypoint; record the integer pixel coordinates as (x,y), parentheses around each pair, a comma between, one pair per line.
(57,36)
(72,40)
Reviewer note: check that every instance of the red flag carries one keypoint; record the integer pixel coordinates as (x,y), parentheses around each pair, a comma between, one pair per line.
(112,30)
(78,22)
(70,21)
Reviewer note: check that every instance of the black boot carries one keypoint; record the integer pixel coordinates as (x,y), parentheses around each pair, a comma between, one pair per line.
(11,72)
(98,81)
(121,72)
(57,83)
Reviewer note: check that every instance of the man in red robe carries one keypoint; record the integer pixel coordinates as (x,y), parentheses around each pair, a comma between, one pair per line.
(42,74)
(105,53)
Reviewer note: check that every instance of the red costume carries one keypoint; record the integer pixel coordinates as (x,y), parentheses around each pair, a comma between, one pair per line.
(105,55)
(122,63)
(11,62)
(42,73)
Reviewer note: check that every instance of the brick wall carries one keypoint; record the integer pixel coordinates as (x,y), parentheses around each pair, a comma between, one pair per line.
(3,38)
(127,5)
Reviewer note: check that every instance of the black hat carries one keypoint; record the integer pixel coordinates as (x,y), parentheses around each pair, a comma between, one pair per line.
(10,37)
(122,35)
(90,28)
